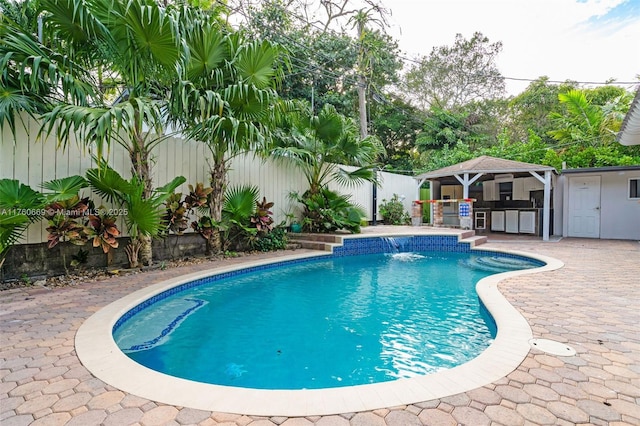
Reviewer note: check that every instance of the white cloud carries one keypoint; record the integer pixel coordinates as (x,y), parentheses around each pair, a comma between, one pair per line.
(551,38)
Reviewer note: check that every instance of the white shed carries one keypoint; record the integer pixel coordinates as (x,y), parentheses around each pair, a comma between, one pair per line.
(602,202)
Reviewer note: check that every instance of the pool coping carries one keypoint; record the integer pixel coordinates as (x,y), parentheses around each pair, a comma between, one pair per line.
(99,353)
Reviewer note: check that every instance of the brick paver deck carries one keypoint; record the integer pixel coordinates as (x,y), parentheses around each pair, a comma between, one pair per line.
(591,304)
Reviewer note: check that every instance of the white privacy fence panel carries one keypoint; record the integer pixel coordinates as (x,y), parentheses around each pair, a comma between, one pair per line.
(406,187)
(33,162)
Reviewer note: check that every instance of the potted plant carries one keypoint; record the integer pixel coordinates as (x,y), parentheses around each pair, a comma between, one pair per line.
(296,227)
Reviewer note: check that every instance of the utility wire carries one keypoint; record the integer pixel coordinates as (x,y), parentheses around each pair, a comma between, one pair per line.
(416,61)
(411,115)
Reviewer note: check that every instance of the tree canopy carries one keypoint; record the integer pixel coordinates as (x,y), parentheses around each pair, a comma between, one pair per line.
(447,105)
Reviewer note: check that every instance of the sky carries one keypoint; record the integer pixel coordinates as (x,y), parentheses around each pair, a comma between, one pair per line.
(580,40)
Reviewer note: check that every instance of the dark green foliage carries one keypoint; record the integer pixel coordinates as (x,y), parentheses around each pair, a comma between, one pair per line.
(238,208)
(276,239)
(80,258)
(393,212)
(20,205)
(327,211)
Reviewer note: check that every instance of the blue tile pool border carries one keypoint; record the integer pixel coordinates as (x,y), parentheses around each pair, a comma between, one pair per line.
(349,247)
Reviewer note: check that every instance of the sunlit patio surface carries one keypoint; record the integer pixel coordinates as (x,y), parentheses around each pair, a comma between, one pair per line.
(590,304)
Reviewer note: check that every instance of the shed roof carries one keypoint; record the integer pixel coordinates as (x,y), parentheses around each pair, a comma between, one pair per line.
(486,164)
(630,130)
(601,169)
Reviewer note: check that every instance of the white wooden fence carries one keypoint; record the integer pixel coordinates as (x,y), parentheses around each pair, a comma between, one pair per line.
(33,162)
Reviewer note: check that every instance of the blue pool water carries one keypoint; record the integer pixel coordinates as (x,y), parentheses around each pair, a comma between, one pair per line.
(327,322)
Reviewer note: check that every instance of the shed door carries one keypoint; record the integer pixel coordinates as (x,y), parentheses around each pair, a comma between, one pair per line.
(584,207)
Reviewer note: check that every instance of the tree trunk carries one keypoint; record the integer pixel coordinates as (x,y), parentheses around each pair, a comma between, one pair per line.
(146,251)
(362,85)
(141,169)
(218,183)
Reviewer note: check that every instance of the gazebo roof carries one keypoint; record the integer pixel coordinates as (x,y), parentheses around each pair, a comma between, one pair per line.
(487,165)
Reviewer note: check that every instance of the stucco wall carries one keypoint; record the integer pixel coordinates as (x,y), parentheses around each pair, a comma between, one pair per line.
(619,215)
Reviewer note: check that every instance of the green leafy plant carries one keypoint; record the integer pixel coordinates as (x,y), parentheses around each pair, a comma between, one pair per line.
(205,227)
(393,211)
(176,214)
(66,214)
(238,208)
(143,215)
(276,239)
(20,206)
(328,211)
(80,258)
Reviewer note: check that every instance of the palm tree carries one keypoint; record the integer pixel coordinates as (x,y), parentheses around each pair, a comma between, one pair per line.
(584,123)
(143,216)
(317,145)
(226,98)
(34,77)
(135,42)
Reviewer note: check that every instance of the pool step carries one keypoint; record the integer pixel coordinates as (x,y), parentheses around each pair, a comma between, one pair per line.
(474,240)
(325,242)
(322,242)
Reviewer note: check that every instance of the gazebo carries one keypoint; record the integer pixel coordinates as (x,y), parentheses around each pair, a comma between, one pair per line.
(487,168)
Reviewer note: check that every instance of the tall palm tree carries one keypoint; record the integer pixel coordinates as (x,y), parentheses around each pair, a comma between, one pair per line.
(226,97)
(133,41)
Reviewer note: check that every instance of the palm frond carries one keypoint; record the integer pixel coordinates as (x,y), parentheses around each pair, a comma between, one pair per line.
(12,227)
(143,217)
(65,188)
(18,196)
(255,62)
(355,177)
(240,202)
(108,184)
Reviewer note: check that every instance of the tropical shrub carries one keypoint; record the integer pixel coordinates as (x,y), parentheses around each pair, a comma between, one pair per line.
(20,205)
(327,211)
(261,218)
(75,220)
(237,211)
(276,239)
(205,227)
(176,213)
(103,230)
(393,212)
(143,215)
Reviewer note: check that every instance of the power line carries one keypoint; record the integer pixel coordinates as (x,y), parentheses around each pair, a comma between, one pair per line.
(307,66)
(416,61)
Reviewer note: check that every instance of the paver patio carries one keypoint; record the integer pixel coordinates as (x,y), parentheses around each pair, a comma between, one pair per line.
(592,304)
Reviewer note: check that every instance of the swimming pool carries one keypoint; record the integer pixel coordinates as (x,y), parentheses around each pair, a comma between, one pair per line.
(340,321)
(107,361)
